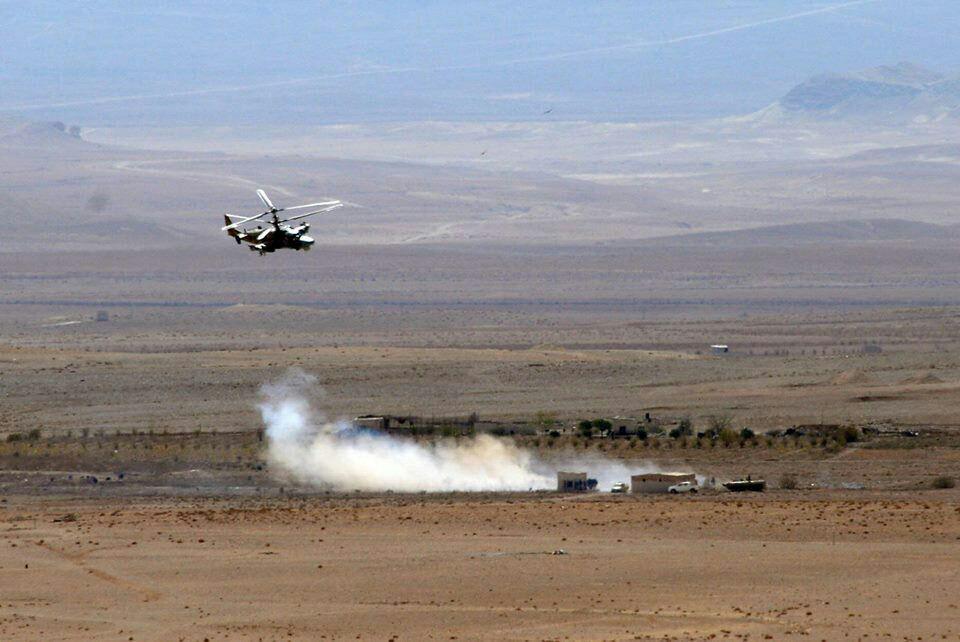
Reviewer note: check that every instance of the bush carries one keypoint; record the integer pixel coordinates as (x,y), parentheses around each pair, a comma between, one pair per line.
(449,431)
(719,423)
(602,424)
(683,429)
(34,435)
(727,437)
(14,436)
(944,482)
(746,433)
(586,428)
(851,434)
(788,482)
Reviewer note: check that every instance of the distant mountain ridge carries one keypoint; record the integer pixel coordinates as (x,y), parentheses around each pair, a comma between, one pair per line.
(42,134)
(849,231)
(904,92)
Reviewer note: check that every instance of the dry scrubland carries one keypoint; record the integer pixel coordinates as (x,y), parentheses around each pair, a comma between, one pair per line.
(785,566)
(182,368)
(201,540)
(566,309)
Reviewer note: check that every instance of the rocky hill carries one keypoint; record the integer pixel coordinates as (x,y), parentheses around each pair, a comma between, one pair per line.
(900,93)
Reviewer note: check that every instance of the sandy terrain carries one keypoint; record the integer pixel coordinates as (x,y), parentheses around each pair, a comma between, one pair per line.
(782,566)
(500,288)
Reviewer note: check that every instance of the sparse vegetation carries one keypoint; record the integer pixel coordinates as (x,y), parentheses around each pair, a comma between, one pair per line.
(586,429)
(788,482)
(602,425)
(944,481)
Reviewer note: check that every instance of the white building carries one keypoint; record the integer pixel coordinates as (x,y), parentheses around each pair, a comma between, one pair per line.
(658,482)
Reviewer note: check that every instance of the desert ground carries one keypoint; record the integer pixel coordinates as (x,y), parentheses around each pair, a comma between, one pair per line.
(784,566)
(139,500)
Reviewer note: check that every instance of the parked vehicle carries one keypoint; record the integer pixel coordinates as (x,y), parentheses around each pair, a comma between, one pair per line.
(683,487)
(619,487)
(746,485)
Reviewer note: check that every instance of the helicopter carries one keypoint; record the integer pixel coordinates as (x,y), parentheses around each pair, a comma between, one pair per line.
(275,234)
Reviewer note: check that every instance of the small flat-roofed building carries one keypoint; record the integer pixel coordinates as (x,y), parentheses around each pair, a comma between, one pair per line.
(373,422)
(574,482)
(658,482)
(720,348)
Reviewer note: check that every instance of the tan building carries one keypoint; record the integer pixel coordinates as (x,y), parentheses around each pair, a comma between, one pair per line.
(658,482)
(574,482)
(372,422)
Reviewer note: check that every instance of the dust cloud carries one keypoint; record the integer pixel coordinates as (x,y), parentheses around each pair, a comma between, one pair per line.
(307,448)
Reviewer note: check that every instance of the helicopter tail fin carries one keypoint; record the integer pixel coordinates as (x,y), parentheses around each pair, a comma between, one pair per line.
(232,231)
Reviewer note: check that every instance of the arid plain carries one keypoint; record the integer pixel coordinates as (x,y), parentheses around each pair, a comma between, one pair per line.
(493,288)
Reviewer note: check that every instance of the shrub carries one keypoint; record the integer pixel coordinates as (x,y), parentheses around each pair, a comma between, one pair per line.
(683,429)
(14,436)
(602,424)
(719,423)
(788,482)
(546,420)
(586,428)
(449,431)
(851,434)
(746,433)
(944,482)
(727,437)
(34,434)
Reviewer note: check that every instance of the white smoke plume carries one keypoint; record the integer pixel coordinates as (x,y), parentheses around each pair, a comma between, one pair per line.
(305,447)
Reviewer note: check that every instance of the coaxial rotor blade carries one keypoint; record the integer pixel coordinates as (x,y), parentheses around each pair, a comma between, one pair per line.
(300,207)
(332,206)
(266,201)
(242,221)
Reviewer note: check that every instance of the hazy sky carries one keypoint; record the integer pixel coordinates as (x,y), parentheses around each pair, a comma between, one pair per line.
(122,62)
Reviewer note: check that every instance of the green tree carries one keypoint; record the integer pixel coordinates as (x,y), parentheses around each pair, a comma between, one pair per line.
(602,424)
(586,428)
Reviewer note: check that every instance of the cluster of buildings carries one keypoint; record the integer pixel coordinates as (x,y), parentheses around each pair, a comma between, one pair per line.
(568,482)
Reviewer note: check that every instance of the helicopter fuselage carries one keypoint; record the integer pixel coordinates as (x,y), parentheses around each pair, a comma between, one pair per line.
(270,238)
(272,235)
